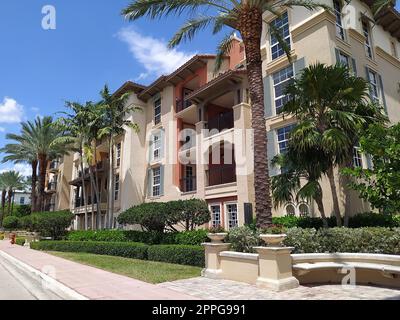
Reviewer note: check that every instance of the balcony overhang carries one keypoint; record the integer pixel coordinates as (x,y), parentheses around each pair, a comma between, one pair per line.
(219,84)
(188,115)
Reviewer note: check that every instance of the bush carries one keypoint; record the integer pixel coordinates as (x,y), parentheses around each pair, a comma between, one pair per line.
(20,241)
(243,239)
(150,216)
(11,223)
(178,254)
(120,249)
(193,238)
(1,237)
(371,219)
(361,240)
(22,211)
(51,224)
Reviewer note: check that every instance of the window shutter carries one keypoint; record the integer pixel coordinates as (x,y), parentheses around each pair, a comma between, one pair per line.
(149,183)
(162,180)
(299,65)
(354,64)
(268,103)
(151,148)
(367,74)
(271,152)
(162,140)
(382,92)
(248,213)
(337,54)
(370,163)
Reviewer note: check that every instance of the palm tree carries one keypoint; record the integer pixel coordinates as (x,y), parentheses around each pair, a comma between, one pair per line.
(11,181)
(331,107)
(23,151)
(116,111)
(3,188)
(246,17)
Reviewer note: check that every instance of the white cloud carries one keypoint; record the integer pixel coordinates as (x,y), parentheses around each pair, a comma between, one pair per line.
(23,169)
(35,109)
(11,111)
(2,129)
(152,53)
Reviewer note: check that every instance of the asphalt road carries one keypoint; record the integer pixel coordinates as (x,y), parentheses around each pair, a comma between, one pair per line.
(15,285)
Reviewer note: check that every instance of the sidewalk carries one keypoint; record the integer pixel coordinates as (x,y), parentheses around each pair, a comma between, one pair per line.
(95,284)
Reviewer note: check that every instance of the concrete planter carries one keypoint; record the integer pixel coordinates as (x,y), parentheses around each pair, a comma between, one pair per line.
(217,237)
(273,240)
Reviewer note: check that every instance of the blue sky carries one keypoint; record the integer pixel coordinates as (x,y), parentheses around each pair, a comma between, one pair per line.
(91,46)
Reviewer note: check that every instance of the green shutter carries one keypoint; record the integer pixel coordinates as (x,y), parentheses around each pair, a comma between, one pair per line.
(354,64)
(382,93)
(162,180)
(268,103)
(271,152)
(149,183)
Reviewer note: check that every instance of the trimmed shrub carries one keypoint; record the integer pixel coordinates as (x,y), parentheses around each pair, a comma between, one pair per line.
(1,237)
(22,211)
(243,239)
(101,235)
(150,237)
(20,241)
(371,219)
(120,249)
(11,223)
(178,254)
(192,238)
(150,216)
(51,224)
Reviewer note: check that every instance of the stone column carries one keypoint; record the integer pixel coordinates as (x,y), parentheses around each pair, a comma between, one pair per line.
(213,259)
(275,269)
(200,161)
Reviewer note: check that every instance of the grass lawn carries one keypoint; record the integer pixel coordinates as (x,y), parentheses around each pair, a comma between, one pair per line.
(147,271)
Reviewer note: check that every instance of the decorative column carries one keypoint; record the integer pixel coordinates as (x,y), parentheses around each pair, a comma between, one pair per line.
(275,268)
(213,259)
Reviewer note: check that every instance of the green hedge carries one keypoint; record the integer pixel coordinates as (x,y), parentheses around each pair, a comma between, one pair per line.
(120,249)
(151,237)
(178,254)
(20,241)
(360,240)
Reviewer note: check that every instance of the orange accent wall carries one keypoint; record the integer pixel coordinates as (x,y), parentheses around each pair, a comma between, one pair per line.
(237,54)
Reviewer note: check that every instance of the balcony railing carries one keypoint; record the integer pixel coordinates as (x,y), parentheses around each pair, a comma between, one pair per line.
(52,186)
(54,165)
(182,105)
(221,122)
(221,174)
(188,184)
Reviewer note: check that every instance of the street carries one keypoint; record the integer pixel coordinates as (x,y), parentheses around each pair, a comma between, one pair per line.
(15,285)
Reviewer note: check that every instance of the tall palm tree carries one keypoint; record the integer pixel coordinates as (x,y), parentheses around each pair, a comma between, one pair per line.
(331,107)
(12,181)
(3,189)
(23,152)
(246,17)
(116,113)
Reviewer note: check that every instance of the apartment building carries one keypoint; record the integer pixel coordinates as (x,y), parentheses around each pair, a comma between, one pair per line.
(194,140)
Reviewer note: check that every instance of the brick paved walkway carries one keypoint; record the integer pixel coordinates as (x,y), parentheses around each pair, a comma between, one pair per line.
(229,290)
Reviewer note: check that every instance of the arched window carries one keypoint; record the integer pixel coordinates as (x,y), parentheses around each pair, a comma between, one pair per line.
(290,210)
(304,210)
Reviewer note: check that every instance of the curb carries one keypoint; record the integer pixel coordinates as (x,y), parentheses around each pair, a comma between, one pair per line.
(55,286)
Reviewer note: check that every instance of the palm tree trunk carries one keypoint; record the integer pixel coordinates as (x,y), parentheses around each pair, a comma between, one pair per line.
(42,180)
(33,186)
(10,192)
(92,194)
(84,192)
(111,185)
(250,26)
(98,192)
(12,200)
(321,209)
(336,209)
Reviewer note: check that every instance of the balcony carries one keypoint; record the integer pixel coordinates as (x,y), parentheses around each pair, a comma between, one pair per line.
(54,165)
(100,167)
(52,186)
(181,105)
(188,184)
(221,122)
(221,174)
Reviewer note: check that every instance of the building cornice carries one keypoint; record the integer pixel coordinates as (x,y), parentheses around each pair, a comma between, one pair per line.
(386,56)
(314,21)
(356,35)
(280,63)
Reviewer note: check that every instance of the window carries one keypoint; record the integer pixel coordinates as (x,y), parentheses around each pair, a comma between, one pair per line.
(357,157)
(394,49)
(290,210)
(215,216)
(339,24)
(283,138)
(281,80)
(232,214)
(156,147)
(156,182)
(373,83)
(118,152)
(344,59)
(304,210)
(22,200)
(367,34)
(157,111)
(117,184)
(281,25)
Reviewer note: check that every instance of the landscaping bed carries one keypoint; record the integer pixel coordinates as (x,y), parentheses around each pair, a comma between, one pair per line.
(177,254)
(148,271)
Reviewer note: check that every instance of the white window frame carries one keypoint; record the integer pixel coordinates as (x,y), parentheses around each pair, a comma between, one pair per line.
(394,49)
(285,81)
(156,186)
(368,39)
(211,205)
(286,140)
(118,152)
(227,217)
(117,187)
(156,147)
(347,59)
(358,159)
(22,200)
(157,111)
(276,44)
(340,32)
(374,84)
